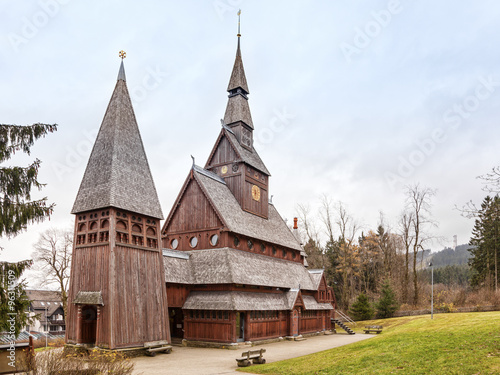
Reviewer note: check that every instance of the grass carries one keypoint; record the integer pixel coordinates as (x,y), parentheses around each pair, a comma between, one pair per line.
(466,343)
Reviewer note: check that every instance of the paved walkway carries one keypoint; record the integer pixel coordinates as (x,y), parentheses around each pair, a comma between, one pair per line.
(205,361)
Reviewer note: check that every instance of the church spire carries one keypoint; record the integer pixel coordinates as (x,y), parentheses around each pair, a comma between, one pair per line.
(118,173)
(238,110)
(121,72)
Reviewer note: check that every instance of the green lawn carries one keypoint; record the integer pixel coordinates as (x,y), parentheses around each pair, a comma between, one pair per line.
(466,343)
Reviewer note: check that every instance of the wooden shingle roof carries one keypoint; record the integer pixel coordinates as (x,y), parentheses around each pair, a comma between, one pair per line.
(235,301)
(238,78)
(273,230)
(316,276)
(89,298)
(117,173)
(311,304)
(237,109)
(231,266)
(237,105)
(247,301)
(252,158)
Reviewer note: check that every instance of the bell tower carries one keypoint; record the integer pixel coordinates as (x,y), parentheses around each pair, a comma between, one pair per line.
(234,157)
(117,296)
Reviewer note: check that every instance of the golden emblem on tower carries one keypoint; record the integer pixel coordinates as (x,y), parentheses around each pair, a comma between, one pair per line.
(122,54)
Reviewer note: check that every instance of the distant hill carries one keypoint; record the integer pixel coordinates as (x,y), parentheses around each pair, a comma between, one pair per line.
(450,257)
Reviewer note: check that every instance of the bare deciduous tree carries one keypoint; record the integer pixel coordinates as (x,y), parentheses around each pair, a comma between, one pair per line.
(405,224)
(418,202)
(52,257)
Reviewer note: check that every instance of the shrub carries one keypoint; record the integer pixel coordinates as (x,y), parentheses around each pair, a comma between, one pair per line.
(361,309)
(57,362)
(445,307)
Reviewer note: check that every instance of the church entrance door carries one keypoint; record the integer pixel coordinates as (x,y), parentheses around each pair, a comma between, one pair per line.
(89,324)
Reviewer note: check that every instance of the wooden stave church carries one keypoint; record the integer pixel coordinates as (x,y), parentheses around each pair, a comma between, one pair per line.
(231,269)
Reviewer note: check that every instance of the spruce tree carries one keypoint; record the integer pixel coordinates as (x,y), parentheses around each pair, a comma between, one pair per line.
(485,240)
(17,210)
(16,207)
(387,304)
(361,309)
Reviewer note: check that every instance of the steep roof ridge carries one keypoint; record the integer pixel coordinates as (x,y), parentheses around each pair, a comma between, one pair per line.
(209,174)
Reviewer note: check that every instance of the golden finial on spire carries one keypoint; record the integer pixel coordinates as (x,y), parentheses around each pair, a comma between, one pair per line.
(239,14)
(122,54)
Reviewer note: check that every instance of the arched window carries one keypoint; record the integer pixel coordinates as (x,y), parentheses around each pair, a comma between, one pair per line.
(121,225)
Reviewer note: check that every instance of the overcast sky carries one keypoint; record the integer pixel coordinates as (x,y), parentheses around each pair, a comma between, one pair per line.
(349,99)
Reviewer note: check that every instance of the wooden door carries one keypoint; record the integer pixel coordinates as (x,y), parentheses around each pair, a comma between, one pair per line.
(176,322)
(89,324)
(240,327)
(295,323)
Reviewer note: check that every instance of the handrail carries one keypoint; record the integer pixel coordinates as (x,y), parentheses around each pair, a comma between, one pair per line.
(345,317)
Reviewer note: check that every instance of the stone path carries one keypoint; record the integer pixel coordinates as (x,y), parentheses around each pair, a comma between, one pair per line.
(205,361)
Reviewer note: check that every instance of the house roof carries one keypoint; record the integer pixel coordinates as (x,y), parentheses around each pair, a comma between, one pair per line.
(238,109)
(247,301)
(236,301)
(311,304)
(45,300)
(117,173)
(252,158)
(273,229)
(231,266)
(44,295)
(316,276)
(89,298)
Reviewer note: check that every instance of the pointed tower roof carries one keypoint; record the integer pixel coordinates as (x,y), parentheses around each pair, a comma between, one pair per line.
(237,106)
(238,79)
(118,173)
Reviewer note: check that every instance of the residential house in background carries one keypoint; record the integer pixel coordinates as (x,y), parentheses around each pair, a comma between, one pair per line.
(47,309)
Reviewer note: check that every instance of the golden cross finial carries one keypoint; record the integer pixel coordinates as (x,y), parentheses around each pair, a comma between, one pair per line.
(239,14)
(122,54)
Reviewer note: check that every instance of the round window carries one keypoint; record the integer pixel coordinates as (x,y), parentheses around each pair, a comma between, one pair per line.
(236,241)
(214,240)
(193,241)
(250,244)
(174,243)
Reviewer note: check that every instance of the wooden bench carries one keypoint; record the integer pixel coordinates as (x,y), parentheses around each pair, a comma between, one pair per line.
(376,329)
(154,347)
(254,355)
(153,351)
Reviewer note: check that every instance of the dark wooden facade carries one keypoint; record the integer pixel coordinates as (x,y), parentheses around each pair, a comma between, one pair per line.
(222,326)
(198,219)
(241,178)
(117,253)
